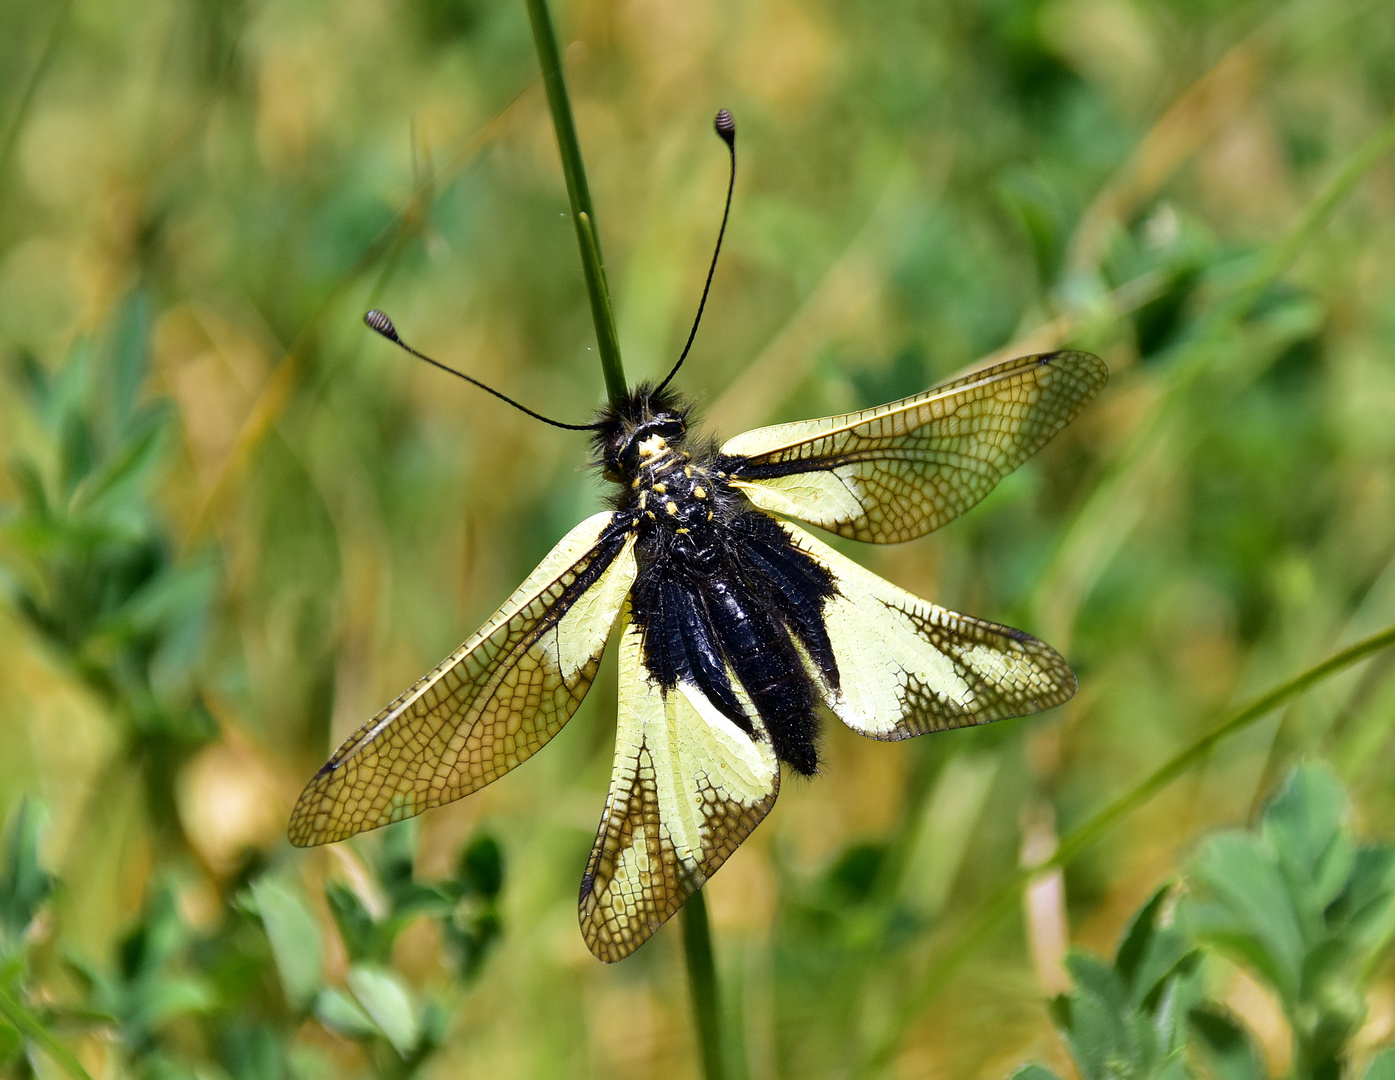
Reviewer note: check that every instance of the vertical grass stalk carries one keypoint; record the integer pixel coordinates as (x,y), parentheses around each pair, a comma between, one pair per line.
(697,932)
(579,194)
(702,982)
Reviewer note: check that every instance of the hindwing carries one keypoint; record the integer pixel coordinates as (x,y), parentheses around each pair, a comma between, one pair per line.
(907,667)
(488,706)
(687,788)
(902,470)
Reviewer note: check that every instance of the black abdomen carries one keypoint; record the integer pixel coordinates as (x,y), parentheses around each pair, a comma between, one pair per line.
(757,644)
(721,589)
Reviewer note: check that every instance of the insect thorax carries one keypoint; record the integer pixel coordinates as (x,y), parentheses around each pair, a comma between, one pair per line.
(679,507)
(666,483)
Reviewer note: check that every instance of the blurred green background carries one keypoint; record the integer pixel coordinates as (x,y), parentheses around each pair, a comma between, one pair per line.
(236,523)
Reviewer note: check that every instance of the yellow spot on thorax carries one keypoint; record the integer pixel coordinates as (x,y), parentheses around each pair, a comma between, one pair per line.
(671,507)
(700,492)
(653,448)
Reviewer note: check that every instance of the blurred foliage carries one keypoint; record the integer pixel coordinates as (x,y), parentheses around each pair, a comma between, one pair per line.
(1129,1019)
(1306,908)
(1299,902)
(233,523)
(177,1000)
(91,565)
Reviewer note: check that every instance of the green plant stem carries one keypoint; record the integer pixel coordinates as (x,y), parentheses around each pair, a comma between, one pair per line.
(32,1028)
(31,86)
(579,194)
(1004,899)
(702,982)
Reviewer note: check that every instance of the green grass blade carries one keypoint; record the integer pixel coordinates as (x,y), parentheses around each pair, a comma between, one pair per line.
(30,1026)
(579,194)
(702,982)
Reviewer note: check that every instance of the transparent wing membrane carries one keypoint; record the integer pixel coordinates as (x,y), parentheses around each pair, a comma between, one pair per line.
(688,787)
(490,705)
(902,470)
(908,667)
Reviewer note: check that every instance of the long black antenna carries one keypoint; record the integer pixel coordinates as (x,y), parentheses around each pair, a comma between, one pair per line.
(726,128)
(379,322)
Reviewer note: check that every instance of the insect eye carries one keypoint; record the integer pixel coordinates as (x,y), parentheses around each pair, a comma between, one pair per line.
(672,429)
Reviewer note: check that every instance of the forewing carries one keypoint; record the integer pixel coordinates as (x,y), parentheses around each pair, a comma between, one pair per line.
(899,471)
(488,706)
(687,788)
(907,667)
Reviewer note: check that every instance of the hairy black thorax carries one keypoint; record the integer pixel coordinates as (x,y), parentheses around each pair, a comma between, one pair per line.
(721,591)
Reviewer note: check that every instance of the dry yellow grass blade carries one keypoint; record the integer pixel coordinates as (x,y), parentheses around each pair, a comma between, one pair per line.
(846,294)
(1117,503)
(286,376)
(1187,125)
(849,290)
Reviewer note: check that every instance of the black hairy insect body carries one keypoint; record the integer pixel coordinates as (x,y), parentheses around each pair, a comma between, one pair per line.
(720,589)
(737,627)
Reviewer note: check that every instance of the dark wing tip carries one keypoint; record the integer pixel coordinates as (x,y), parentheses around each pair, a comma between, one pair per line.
(1086,364)
(300,832)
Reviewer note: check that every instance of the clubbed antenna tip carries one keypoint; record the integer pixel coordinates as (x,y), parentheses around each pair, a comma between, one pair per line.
(726,127)
(378,321)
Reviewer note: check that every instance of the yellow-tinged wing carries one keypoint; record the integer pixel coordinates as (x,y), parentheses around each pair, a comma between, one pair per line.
(687,788)
(908,667)
(902,470)
(489,705)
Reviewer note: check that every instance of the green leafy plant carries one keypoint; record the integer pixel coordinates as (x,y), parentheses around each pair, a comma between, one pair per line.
(24,889)
(375,1006)
(174,996)
(465,905)
(1298,902)
(152,985)
(1128,1019)
(92,567)
(1306,908)
(396,1026)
